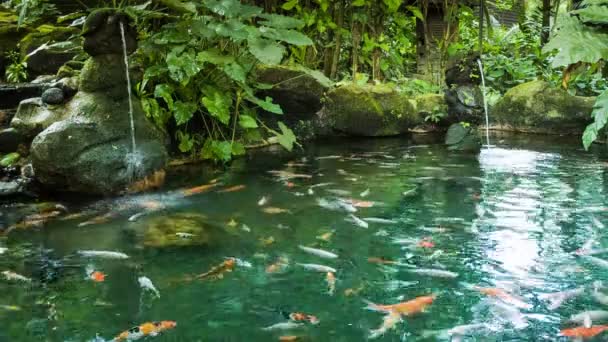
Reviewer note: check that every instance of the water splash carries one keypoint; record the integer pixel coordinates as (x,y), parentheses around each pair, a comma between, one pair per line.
(124,50)
(485,103)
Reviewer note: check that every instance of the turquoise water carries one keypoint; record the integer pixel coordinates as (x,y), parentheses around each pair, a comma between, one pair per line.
(509,218)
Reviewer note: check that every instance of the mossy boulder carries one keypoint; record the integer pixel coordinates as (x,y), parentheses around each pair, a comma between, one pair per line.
(296,89)
(104,73)
(369,110)
(49,60)
(460,137)
(430,104)
(176,230)
(102,32)
(88,151)
(33,117)
(538,107)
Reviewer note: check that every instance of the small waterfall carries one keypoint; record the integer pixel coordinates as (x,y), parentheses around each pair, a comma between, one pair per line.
(124,50)
(485,103)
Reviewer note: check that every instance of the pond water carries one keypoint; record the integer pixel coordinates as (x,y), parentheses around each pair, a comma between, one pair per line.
(511,226)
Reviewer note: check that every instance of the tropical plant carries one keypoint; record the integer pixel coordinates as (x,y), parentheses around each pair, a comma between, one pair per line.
(581,38)
(31,11)
(17,69)
(200,72)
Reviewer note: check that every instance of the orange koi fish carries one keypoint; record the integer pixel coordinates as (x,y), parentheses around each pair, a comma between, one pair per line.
(382,261)
(583,332)
(302,317)
(288,338)
(144,330)
(217,272)
(426,243)
(408,308)
(198,189)
(279,266)
(331,283)
(233,188)
(361,204)
(97,277)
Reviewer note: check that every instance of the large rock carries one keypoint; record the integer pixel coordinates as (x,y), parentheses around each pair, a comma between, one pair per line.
(369,110)
(465,103)
(102,33)
(462,137)
(87,152)
(538,107)
(104,73)
(297,90)
(33,117)
(49,60)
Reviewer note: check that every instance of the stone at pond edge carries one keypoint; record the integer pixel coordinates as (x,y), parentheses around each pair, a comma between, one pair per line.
(297,90)
(102,34)
(369,110)
(87,151)
(33,117)
(538,107)
(10,140)
(461,138)
(52,96)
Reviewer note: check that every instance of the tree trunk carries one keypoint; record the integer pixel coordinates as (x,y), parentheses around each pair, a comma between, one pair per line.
(338,47)
(356,41)
(546,24)
(328,50)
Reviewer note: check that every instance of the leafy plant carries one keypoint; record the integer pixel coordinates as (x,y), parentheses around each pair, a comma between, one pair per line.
(31,11)
(582,38)
(436,115)
(200,73)
(16,71)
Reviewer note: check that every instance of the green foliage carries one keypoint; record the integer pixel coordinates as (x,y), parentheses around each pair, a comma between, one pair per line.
(16,71)
(199,74)
(9,159)
(600,117)
(32,11)
(414,87)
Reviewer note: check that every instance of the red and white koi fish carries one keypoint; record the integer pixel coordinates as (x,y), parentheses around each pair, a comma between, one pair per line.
(217,272)
(147,329)
(302,317)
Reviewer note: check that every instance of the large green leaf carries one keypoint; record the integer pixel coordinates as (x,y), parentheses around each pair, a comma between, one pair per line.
(182,67)
(594,15)
(236,72)
(416,12)
(232,8)
(392,5)
(289,36)
(286,138)
(180,6)
(246,121)
(600,117)
(217,150)
(165,91)
(290,4)
(218,104)
(280,21)
(183,111)
(231,28)
(214,56)
(266,51)
(577,42)
(266,104)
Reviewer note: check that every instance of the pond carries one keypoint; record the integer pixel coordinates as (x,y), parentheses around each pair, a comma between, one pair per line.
(491,237)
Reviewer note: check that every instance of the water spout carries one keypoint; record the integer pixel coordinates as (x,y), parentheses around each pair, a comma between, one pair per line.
(124,50)
(485,103)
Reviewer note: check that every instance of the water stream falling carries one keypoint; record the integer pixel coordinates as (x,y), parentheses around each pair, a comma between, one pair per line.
(124,50)
(485,103)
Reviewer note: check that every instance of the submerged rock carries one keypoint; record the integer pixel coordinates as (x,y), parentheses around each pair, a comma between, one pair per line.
(462,137)
(176,230)
(369,110)
(538,107)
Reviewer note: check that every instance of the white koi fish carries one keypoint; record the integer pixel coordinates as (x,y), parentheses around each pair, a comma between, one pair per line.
(598,295)
(359,222)
(588,317)
(558,298)
(103,254)
(336,205)
(146,284)
(389,321)
(263,201)
(365,193)
(318,252)
(318,268)
(434,272)
(12,276)
(283,326)
(379,220)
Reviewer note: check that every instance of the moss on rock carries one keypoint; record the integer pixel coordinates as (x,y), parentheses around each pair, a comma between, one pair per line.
(46,61)
(104,73)
(370,110)
(176,230)
(537,107)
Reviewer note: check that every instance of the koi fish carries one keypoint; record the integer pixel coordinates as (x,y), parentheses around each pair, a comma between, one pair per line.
(434,272)
(318,268)
(388,322)
(365,193)
(382,261)
(103,254)
(184,235)
(233,188)
(424,243)
(97,220)
(584,332)
(267,241)
(318,252)
(146,284)
(336,205)
(599,296)
(408,308)
(217,272)
(586,317)
(288,175)
(354,291)
(359,222)
(558,298)
(379,220)
(198,189)
(302,317)
(93,275)
(360,204)
(326,236)
(503,295)
(263,201)
(330,278)
(275,210)
(288,338)
(279,266)
(144,330)
(283,326)
(12,276)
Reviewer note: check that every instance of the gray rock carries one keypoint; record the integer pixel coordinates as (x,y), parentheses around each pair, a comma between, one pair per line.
(11,188)
(10,140)
(538,107)
(53,96)
(87,152)
(102,34)
(462,138)
(33,117)
(69,85)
